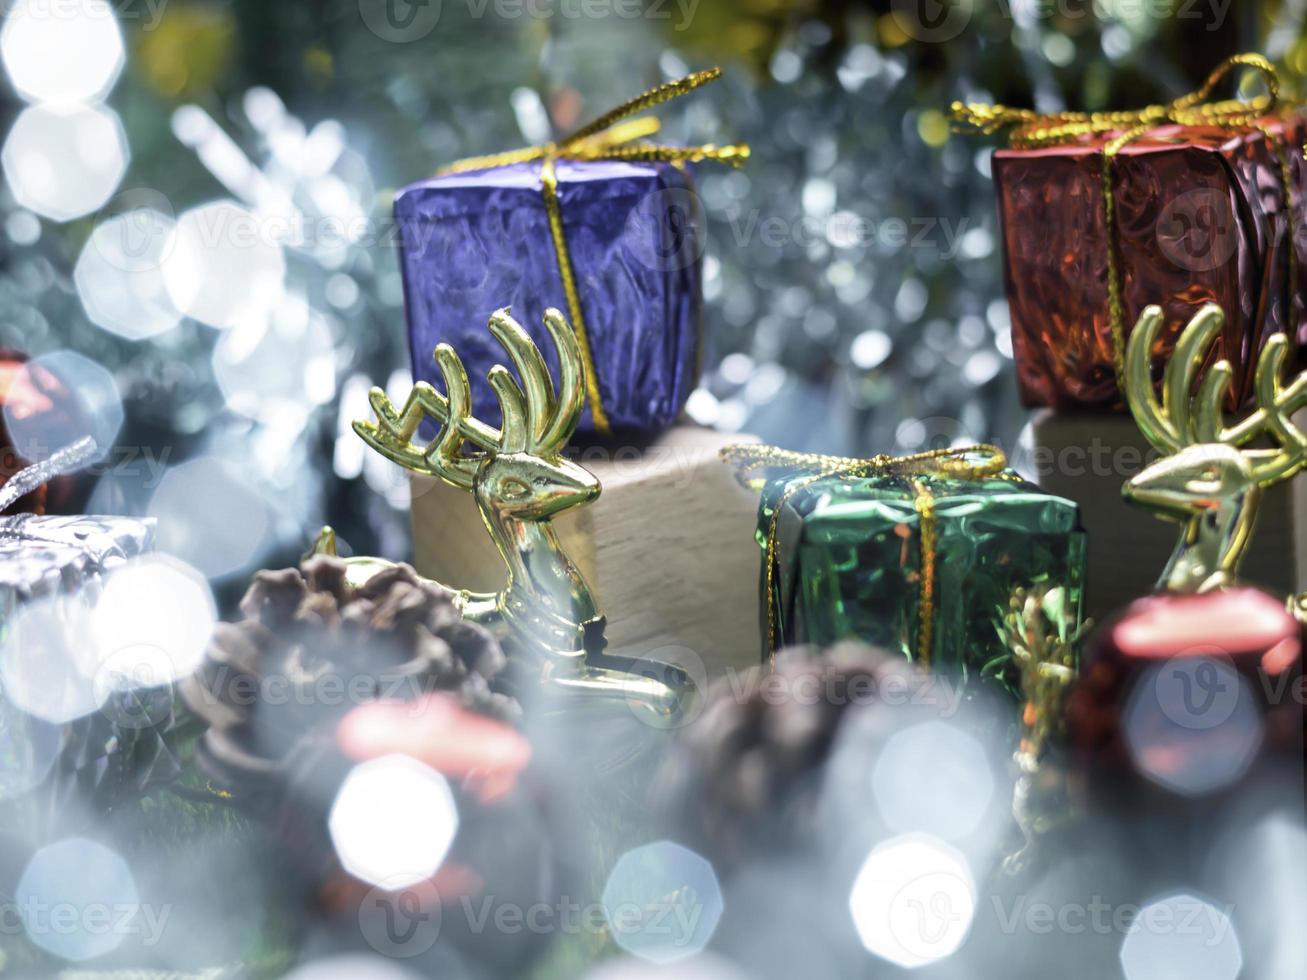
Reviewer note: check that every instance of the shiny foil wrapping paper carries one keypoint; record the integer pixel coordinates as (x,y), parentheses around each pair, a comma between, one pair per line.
(474,242)
(45,556)
(850,562)
(1200,217)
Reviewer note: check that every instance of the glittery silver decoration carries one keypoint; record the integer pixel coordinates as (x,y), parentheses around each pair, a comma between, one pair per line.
(45,555)
(30,477)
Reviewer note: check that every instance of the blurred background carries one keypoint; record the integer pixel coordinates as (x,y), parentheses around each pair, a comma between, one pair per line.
(198,256)
(853,283)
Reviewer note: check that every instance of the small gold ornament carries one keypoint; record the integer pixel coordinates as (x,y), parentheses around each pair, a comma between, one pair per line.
(1208,478)
(1041,632)
(521,480)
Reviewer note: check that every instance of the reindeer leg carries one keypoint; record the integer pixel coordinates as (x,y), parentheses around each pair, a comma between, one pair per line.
(659,694)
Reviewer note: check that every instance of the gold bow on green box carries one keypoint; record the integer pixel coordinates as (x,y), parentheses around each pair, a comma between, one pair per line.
(917,553)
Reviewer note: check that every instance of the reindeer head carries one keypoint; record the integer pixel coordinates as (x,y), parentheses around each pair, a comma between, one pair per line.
(516,471)
(1208,477)
(1196,479)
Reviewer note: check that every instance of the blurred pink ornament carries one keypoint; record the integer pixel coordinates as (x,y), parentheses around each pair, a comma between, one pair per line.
(487,756)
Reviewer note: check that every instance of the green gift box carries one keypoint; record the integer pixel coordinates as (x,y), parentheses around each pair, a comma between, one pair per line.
(909,555)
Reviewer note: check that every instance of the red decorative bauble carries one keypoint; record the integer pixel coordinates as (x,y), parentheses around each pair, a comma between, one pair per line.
(1186,692)
(1252,628)
(11,365)
(23,398)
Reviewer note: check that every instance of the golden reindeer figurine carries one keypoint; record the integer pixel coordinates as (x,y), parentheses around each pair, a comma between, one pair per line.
(520,480)
(1208,478)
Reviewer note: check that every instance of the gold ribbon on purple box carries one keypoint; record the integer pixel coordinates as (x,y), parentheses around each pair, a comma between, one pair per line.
(612,136)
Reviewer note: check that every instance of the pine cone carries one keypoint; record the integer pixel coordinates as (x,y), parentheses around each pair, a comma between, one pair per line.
(744,778)
(310,647)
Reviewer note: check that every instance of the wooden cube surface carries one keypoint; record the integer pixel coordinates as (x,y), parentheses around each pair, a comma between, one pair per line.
(668,548)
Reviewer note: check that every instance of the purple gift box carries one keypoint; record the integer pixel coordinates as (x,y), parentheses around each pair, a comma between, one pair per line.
(477,241)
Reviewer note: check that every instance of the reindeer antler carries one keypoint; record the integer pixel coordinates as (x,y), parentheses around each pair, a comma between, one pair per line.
(1185,417)
(535,418)
(1277,405)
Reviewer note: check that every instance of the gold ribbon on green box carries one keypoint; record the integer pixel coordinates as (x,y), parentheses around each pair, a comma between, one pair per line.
(753,463)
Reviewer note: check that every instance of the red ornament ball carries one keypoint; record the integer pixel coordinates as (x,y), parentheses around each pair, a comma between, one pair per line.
(1187,692)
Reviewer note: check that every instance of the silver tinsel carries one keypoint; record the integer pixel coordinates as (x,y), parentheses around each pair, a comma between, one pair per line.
(854,301)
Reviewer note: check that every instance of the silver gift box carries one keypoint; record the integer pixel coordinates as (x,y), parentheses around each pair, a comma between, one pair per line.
(43,556)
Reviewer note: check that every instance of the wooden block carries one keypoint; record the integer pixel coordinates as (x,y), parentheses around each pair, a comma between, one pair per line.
(1087,458)
(668,548)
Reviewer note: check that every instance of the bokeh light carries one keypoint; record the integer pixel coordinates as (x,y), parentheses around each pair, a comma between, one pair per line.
(77,898)
(704,966)
(1259,868)
(662,902)
(279,368)
(214,246)
(151,624)
(61,51)
(393,821)
(870,348)
(935,778)
(913,900)
(1193,725)
(63,163)
(119,275)
(351,967)
(126,489)
(23,228)
(210,516)
(58,398)
(1181,937)
(46,664)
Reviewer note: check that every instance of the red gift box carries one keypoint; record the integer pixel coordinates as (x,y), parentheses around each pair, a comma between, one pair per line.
(1178,205)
